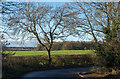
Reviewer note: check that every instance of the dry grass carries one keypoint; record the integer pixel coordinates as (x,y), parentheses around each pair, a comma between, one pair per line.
(100,73)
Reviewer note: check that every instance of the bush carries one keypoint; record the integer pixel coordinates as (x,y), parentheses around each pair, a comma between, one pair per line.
(17,65)
(109,52)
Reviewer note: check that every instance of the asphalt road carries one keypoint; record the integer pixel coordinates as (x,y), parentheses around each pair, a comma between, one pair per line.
(58,73)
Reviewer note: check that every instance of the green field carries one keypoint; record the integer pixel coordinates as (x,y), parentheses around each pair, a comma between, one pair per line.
(67,52)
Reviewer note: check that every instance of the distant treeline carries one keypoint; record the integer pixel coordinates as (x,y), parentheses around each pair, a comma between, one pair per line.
(20,48)
(69,45)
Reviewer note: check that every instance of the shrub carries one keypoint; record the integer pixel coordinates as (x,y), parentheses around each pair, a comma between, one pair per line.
(109,52)
(17,65)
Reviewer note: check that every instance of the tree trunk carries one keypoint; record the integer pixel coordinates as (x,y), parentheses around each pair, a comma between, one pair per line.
(49,56)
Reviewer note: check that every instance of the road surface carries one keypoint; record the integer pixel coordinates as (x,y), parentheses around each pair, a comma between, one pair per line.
(58,73)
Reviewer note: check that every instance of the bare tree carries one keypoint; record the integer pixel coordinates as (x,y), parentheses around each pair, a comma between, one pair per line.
(42,22)
(99,20)
(3,47)
(7,9)
(90,18)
